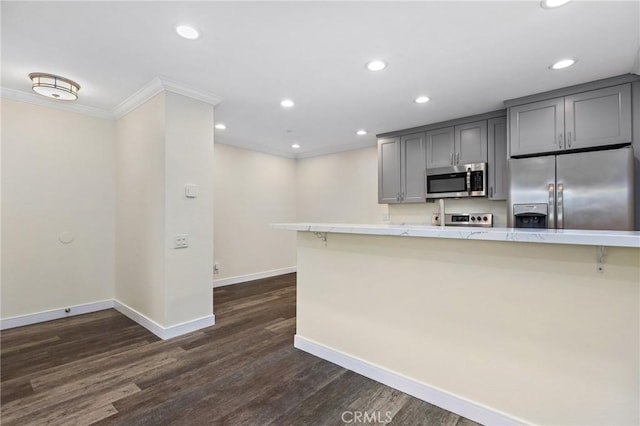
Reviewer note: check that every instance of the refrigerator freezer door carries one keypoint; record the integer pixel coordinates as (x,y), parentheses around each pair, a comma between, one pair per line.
(595,190)
(529,183)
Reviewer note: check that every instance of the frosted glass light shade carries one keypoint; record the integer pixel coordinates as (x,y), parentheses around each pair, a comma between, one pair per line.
(54,86)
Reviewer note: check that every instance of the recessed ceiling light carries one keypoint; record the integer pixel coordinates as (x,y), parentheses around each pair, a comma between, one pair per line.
(221,126)
(295,145)
(376,65)
(187,32)
(422,99)
(564,63)
(552,4)
(361,132)
(287,103)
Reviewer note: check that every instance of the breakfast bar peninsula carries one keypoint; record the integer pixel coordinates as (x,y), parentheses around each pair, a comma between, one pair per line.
(500,325)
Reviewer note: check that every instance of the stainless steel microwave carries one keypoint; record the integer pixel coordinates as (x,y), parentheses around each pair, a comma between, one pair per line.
(462,180)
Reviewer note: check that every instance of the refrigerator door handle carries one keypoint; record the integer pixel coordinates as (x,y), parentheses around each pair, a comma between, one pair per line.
(560,208)
(552,210)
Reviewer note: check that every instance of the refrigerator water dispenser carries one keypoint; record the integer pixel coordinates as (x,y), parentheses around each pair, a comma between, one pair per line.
(530,215)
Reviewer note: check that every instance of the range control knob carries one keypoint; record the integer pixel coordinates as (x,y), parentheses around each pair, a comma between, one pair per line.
(484,218)
(479,218)
(473,219)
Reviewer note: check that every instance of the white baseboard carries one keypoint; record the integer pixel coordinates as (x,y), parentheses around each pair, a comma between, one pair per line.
(443,399)
(256,276)
(54,314)
(164,332)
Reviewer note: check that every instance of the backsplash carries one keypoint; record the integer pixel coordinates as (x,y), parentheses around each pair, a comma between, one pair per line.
(421,213)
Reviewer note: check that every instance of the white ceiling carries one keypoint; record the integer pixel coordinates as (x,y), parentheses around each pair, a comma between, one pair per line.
(467,56)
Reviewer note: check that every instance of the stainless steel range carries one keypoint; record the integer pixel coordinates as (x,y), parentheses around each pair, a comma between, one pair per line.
(464,219)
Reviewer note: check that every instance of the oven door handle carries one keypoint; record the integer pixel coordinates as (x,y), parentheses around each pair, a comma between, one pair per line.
(469,181)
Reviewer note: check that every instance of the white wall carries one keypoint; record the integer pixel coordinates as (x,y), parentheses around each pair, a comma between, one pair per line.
(252,190)
(58,175)
(140,265)
(340,188)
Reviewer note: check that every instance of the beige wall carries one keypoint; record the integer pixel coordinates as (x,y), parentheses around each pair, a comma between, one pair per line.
(162,146)
(140,252)
(343,188)
(340,188)
(252,190)
(58,175)
(531,330)
(188,159)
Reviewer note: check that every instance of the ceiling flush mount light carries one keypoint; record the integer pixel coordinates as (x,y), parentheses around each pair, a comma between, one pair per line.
(187,32)
(552,4)
(295,145)
(221,126)
(361,132)
(422,99)
(287,103)
(376,65)
(562,64)
(54,86)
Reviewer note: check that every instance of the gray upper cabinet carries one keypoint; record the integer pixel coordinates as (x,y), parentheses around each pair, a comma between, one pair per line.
(389,170)
(413,169)
(471,143)
(497,173)
(537,127)
(599,117)
(402,169)
(440,147)
(583,120)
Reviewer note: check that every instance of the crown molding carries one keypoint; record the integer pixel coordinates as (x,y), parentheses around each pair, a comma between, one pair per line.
(189,91)
(142,95)
(335,149)
(32,98)
(157,85)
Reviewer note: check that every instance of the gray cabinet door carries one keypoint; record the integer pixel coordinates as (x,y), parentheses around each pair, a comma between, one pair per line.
(599,117)
(497,141)
(471,143)
(413,169)
(389,170)
(537,127)
(440,147)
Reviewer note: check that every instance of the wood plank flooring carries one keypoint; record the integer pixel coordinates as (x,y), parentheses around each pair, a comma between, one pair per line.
(103,368)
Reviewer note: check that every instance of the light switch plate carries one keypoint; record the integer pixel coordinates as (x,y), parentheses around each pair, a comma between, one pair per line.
(191,191)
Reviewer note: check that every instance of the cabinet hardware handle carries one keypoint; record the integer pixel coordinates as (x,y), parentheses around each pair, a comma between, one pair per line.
(491,192)
(452,158)
(457,158)
(569,139)
(560,140)
(401,196)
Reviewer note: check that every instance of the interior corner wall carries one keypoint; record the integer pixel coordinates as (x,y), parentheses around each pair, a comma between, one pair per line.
(252,190)
(140,219)
(340,188)
(58,171)
(188,160)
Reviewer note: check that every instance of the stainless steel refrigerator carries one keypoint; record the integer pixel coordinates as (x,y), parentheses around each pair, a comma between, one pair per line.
(585,190)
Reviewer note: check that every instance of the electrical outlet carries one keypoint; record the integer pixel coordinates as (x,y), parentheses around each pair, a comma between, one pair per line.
(180,241)
(216,268)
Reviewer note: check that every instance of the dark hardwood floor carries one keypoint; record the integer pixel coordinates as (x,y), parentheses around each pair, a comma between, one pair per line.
(104,368)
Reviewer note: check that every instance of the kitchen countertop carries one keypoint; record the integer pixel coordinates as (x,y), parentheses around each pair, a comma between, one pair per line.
(546,236)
